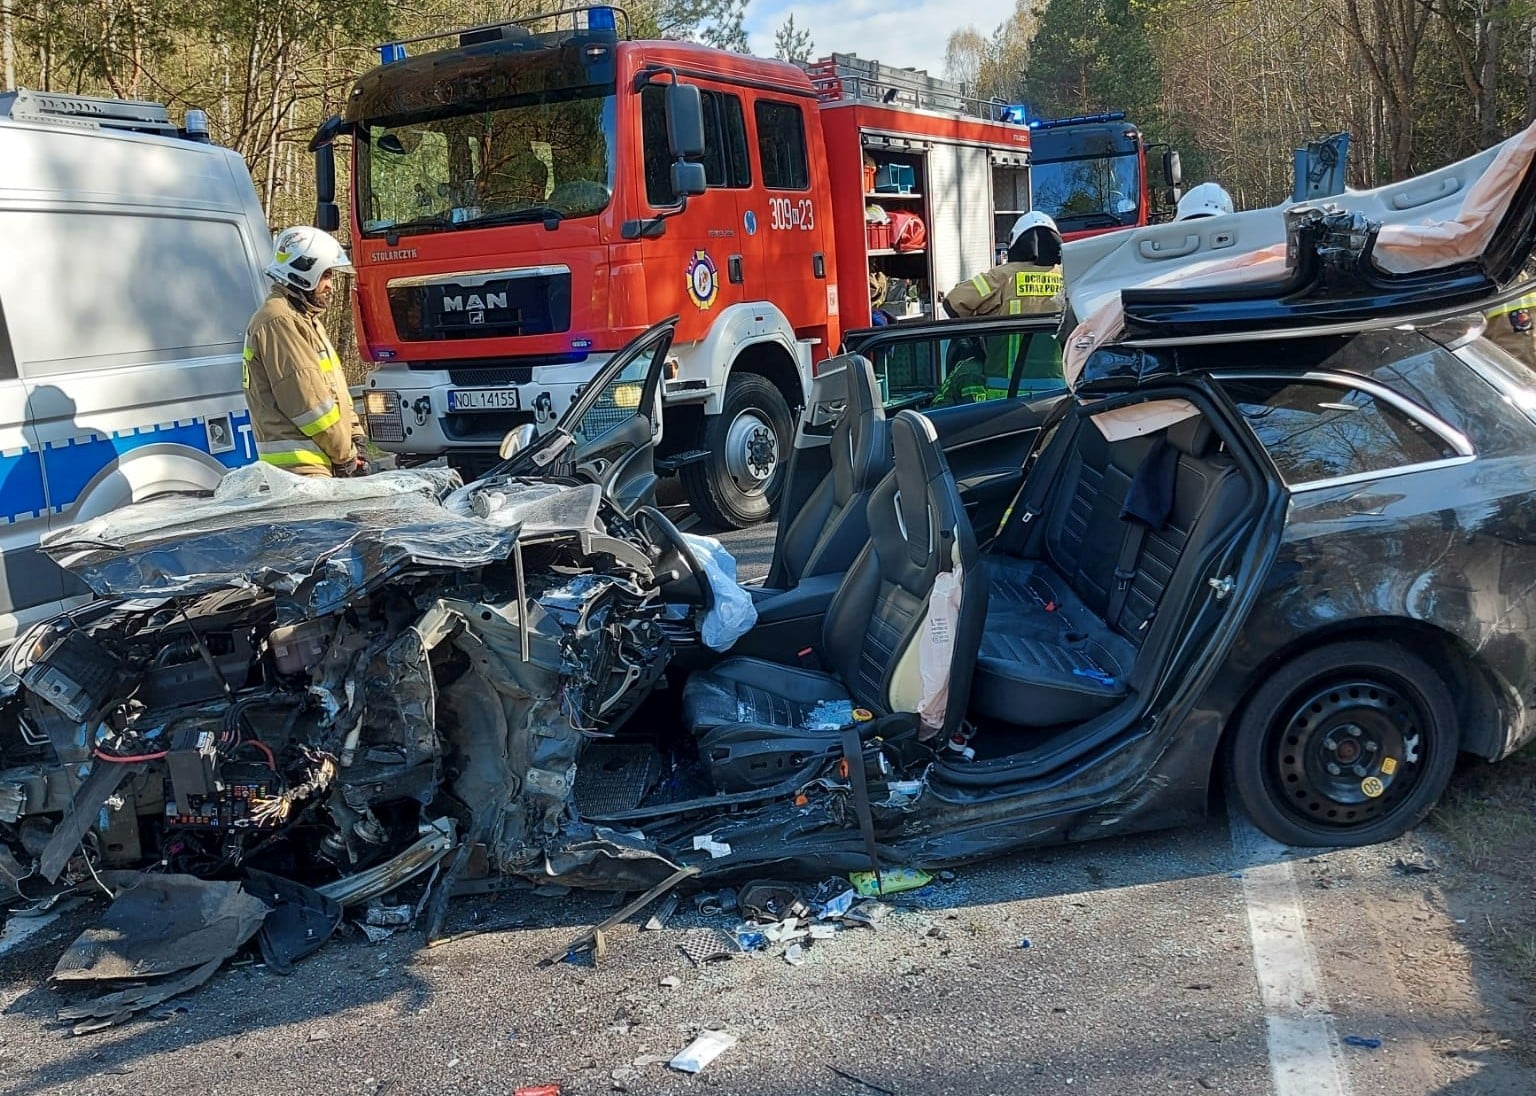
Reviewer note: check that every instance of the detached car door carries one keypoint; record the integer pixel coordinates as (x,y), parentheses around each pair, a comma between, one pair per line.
(609,433)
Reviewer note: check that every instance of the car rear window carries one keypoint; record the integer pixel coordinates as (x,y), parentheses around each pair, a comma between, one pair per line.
(1316,432)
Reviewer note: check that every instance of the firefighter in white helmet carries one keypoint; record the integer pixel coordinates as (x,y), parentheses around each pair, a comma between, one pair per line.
(1205,200)
(301,412)
(1029,283)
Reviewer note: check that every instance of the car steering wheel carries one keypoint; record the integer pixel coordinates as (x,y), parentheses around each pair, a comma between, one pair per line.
(669,533)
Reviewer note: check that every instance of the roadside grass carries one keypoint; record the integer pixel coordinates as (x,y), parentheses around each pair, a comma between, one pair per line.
(1489,820)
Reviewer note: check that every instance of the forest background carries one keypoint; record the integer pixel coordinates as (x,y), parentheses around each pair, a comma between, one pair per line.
(1233,84)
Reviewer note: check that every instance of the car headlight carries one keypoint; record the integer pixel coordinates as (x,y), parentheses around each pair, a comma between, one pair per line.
(381,406)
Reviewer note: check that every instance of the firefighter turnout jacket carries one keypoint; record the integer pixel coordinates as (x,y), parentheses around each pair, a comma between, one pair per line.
(301,412)
(1012,289)
(1512,326)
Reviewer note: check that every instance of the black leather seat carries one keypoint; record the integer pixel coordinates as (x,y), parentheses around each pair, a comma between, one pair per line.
(1065,631)
(759,723)
(832,527)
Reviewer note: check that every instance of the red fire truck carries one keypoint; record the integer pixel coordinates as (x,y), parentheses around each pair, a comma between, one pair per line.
(1090,174)
(528,198)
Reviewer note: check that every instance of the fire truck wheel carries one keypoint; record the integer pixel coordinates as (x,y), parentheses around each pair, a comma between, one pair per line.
(748,442)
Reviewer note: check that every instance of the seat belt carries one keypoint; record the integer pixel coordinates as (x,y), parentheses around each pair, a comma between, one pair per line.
(1149,501)
(858,783)
(1039,476)
(1125,568)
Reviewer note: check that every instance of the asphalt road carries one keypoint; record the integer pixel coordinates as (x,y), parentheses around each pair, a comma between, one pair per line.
(1206,960)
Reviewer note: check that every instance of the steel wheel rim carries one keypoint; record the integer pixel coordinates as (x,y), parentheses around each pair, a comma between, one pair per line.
(751,451)
(1347,753)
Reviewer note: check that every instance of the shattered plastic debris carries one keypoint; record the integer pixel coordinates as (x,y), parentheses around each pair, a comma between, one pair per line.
(785,931)
(376,934)
(771,900)
(1362,1041)
(120,1005)
(902,793)
(750,939)
(829,715)
(702,1051)
(869,914)
(794,955)
(706,945)
(707,843)
(663,914)
(390,916)
(162,925)
(890,881)
(821,931)
(836,906)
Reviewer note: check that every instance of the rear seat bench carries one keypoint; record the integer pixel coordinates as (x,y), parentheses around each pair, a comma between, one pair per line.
(1065,628)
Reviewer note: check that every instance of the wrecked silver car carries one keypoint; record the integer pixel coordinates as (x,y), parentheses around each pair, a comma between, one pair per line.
(343,681)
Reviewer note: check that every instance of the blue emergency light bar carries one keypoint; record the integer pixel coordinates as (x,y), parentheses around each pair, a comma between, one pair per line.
(1081,119)
(390,52)
(602,19)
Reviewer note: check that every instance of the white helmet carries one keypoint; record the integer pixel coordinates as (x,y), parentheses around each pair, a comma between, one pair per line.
(1205,200)
(302,255)
(1033,219)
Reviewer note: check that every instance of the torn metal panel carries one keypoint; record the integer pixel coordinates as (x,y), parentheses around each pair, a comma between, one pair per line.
(163,924)
(436,840)
(118,1006)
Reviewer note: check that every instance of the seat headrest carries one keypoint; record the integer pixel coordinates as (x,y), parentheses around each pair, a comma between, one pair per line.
(1193,436)
(922,503)
(863,387)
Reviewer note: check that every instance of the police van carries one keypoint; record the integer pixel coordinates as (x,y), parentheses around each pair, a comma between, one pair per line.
(133,254)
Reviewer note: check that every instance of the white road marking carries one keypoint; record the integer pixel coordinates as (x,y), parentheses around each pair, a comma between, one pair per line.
(18,930)
(1304,1051)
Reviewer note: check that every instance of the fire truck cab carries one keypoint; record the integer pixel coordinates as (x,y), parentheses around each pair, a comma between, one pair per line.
(1090,174)
(525,201)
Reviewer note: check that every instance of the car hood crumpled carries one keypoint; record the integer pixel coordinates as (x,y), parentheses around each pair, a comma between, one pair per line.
(315,541)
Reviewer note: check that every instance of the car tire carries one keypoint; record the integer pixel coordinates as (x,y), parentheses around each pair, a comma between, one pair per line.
(1348,744)
(748,444)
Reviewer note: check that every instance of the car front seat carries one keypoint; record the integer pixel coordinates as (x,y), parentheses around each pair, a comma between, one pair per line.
(760,724)
(832,526)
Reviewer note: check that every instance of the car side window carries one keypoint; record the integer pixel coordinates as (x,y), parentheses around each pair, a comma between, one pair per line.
(920,373)
(725,159)
(616,404)
(781,145)
(1316,432)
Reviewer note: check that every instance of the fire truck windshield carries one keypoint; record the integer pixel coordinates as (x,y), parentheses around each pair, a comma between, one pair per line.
(1089,192)
(535,157)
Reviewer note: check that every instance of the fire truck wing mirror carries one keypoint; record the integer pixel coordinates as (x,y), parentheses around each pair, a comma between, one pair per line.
(688,179)
(1171,196)
(327,216)
(517,439)
(1173,170)
(685,121)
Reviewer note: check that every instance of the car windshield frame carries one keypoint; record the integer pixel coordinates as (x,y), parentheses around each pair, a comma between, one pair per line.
(1120,175)
(449,183)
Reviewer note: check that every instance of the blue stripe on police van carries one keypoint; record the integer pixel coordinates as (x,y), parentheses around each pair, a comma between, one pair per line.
(74,463)
(21,486)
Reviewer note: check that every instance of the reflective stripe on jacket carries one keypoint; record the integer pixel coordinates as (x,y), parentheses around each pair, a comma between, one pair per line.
(1512,327)
(1013,289)
(301,411)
